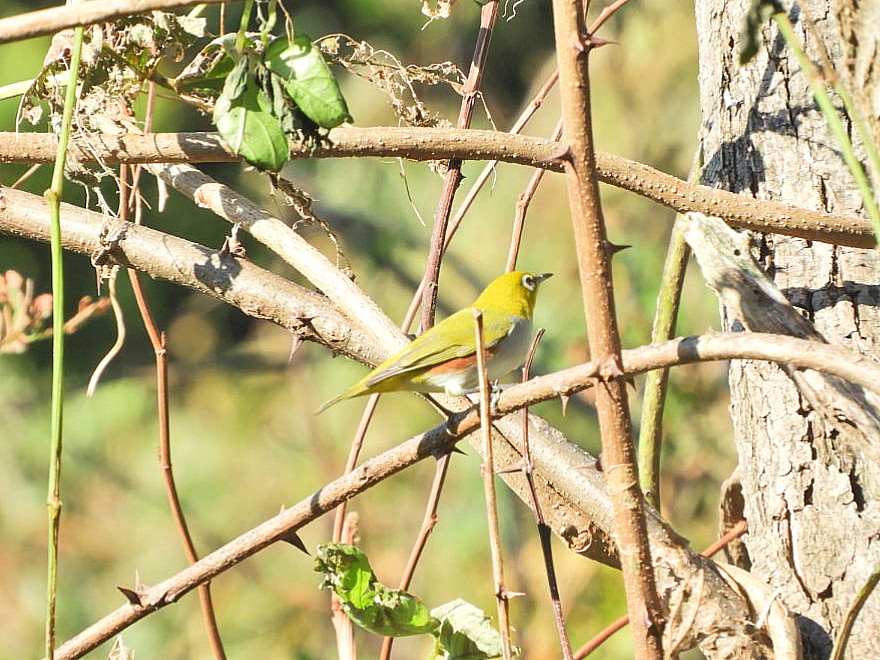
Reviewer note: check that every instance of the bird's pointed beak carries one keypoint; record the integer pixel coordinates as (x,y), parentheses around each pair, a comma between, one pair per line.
(543,276)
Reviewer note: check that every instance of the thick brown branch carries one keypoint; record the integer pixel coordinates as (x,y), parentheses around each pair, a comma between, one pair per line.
(255,291)
(443,144)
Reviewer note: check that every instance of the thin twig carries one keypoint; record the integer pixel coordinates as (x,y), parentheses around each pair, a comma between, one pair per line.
(488,472)
(543,530)
(157,341)
(346,644)
(850,619)
(342,624)
(53,198)
(829,74)
(120,336)
(527,113)
(835,124)
(429,521)
(353,454)
(522,206)
(452,178)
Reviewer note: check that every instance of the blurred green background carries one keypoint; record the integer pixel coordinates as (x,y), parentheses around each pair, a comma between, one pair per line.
(245,440)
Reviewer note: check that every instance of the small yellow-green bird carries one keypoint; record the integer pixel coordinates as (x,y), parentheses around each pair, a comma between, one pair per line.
(444,359)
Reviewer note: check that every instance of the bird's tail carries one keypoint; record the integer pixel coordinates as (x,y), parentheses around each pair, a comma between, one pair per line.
(357,389)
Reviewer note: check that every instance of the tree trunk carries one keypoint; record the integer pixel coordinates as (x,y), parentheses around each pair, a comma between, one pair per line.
(809,480)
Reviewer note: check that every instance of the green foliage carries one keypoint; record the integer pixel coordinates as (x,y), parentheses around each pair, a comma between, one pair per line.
(206,73)
(370,604)
(245,117)
(308,80)
(264,94)
(462,631)
(466,633)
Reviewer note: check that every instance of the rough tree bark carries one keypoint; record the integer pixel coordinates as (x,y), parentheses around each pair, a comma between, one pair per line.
(810,486)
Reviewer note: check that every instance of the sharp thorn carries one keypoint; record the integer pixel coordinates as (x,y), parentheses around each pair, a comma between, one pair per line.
(293,539)
(560,155)
(132,596)
(598,42)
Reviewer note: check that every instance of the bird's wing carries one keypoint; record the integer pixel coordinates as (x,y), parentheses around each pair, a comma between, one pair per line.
(433,348)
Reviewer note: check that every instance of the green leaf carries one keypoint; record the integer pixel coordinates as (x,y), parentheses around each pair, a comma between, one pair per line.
(465,632)
(243,115)
(205,76)
(370,604)
(759,13)
(308,80)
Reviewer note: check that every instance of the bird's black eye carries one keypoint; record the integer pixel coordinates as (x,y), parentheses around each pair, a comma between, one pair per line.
(528,282)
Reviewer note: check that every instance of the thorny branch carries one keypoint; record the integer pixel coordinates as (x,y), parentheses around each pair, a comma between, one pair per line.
(432,144)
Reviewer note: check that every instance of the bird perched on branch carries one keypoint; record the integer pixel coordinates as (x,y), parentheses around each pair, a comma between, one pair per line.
(444,359)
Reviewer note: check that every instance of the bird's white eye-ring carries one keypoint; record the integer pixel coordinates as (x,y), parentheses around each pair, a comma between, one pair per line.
(528,281)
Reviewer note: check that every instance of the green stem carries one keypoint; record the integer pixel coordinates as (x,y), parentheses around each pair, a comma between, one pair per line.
(53,197)
(656,382)
(850,619)
(867,139)
(242,27)
(651,426)
(269,23)
(823,100)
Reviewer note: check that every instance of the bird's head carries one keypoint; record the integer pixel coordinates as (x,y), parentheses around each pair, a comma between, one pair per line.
(512,292)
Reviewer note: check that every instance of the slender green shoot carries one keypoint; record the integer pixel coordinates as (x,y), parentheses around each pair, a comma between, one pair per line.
(242,27)
(850,619)
(656,382)
(53,197)
(823,100)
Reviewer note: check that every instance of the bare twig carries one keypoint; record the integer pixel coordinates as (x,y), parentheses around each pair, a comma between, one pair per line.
(157,340)
(53,199)
(342,623)
(487,470)
(522,207)
(656,383)
(452,177)
(429,521)
(527,113)
(528,468)
(850,619)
